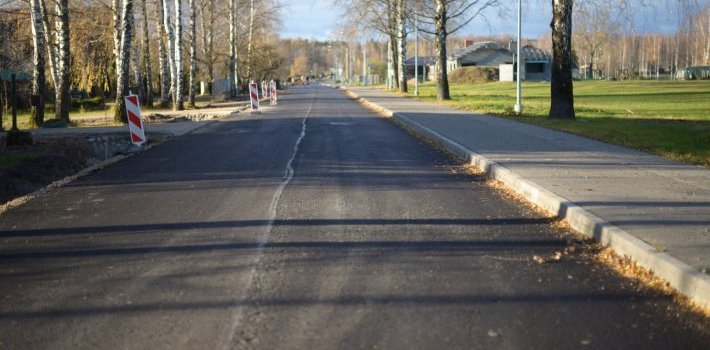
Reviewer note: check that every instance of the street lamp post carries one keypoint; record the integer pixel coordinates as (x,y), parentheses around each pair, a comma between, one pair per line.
(518,100)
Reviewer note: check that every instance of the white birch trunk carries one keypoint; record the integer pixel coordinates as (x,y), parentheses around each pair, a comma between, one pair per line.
(148,86)
(117,10)
(63,61)
(123,65)
(163,56)
(178,57)
(250,45)
(233,53)
(51,49)
(171,48)
(193,47)
(402,40)
(38,60)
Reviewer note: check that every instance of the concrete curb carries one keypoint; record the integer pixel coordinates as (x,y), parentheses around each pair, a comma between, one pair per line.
(684,278)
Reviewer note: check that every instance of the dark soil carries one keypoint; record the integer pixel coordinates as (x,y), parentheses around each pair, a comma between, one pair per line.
(26,169)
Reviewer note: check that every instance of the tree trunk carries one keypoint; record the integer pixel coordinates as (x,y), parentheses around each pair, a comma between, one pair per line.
(402,40)
(250,45)
(163,58)
(207,24)
(178,58)
(233,71)
(63,85)
(51,49)
(562,97)
(442,78)
(123,61)
(148,86)
(394,52)
(38,75)
(170,39)
(193,46)
(117,11)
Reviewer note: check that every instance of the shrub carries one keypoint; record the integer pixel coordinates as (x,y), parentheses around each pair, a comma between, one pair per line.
(473,75)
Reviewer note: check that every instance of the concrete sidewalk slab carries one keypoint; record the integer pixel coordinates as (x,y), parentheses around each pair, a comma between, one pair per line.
(654,210)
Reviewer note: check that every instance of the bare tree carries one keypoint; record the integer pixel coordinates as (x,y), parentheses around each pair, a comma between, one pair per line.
(38,72)
(123,60)
(193,47)
(562,97)
(443,18)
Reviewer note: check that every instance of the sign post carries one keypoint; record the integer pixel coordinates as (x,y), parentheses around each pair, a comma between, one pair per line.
(135,124)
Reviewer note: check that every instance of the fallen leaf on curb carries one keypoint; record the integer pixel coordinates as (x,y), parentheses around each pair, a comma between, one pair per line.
(538,259)
(557,256)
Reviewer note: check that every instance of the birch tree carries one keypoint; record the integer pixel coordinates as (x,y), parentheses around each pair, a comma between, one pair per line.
(402,40)
(233,52)
(123,60)
(170,40)
(562,97)
(193,47)
(148,85)
(63,62)
(207,25)
(38,72)
(250,40)
(177,93)
(51,48)
(442,18)
(163,59)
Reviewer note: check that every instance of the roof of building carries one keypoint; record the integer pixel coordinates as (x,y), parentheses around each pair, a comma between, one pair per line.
(490,54)
(421,60)
(533,54)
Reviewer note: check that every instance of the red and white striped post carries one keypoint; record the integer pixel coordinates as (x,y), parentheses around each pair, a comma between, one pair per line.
(254,96)
(135,124)
(272,88)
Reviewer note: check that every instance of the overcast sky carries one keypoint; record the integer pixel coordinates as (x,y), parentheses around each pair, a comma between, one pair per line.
(317,18)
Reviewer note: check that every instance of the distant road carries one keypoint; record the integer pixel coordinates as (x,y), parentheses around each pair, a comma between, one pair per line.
(313,225)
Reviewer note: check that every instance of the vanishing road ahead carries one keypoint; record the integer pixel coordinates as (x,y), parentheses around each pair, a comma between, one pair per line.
(314,225)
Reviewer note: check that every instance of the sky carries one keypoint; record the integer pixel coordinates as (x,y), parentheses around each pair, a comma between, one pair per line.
(316,19)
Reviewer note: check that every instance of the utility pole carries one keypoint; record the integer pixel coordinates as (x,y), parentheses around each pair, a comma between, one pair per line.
(518,102)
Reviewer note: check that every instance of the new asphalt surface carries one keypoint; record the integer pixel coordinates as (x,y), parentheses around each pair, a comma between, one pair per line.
(313,225)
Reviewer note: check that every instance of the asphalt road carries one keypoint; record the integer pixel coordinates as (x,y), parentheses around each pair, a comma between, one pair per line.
(314,225)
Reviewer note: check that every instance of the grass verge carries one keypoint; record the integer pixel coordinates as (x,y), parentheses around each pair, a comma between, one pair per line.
(667,118)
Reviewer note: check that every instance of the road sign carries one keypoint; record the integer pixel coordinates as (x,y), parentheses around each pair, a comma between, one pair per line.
(135,124)
(254,96)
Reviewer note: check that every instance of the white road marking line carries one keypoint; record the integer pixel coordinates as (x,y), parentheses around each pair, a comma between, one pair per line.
(288,176)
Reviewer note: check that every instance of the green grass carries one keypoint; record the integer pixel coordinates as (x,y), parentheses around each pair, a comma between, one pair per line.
(667,118)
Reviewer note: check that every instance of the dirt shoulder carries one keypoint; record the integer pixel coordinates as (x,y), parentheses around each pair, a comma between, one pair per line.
(26,169)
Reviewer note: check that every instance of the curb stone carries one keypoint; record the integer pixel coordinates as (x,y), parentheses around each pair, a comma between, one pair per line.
(684,278)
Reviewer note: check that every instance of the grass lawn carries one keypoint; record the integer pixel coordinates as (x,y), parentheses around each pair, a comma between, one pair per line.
(667,118)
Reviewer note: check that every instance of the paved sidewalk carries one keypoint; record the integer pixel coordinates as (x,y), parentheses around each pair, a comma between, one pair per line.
(174,129)
(603,190)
